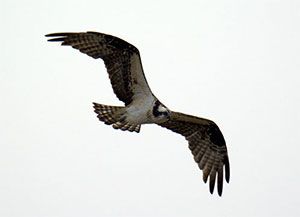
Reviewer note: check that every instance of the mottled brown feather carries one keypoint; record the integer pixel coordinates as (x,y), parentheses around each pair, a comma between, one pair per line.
(121,59)
(206,143)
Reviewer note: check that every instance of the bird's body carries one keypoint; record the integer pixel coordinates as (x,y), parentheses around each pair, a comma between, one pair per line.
(125,71)
(140,112)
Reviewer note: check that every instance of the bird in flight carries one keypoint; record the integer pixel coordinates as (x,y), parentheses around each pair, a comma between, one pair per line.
(123,63)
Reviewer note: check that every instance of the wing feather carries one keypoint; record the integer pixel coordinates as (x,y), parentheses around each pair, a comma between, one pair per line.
(206,143)
(122,61)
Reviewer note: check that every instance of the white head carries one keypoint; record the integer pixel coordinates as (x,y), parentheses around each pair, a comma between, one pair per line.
(160,111)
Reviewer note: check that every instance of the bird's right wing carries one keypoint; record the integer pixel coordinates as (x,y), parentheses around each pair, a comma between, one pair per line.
(121,59)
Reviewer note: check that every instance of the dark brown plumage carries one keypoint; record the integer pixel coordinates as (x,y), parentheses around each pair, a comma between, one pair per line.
(206,143)
(118,56)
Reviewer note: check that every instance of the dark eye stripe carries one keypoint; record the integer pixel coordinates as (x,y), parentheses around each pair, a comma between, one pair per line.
(155,111)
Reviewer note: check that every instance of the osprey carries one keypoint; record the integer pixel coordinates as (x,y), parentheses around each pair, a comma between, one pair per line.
(124,67)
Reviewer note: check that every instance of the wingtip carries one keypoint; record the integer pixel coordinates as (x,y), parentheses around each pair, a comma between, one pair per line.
(220,190)
(52,35)
(60,37)
(205,176)
(211,190)
(55,39)
(227,170)
(57,34)
(95,104)
(212,184)
(227,178)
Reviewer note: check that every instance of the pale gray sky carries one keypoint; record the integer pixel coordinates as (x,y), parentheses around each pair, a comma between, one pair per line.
(235,62)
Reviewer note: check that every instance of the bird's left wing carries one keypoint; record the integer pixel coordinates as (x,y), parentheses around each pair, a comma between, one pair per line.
(206,143)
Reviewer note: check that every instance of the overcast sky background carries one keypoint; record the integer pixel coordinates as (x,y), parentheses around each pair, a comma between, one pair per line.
(235,62)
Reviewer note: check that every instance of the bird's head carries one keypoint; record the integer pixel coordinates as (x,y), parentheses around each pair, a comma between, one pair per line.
(160,112)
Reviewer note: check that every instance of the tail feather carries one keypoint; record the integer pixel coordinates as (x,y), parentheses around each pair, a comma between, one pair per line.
(114,115)
(108,114)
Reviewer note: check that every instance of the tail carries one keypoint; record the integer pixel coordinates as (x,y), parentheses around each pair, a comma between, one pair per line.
(114,115)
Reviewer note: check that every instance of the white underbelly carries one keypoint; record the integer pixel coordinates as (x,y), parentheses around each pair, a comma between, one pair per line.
(140,111)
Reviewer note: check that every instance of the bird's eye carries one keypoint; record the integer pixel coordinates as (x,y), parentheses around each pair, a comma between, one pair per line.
(166,114)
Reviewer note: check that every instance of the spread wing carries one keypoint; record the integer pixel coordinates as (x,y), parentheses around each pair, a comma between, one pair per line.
(121,59)
(207,145)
